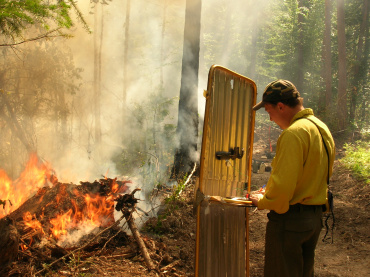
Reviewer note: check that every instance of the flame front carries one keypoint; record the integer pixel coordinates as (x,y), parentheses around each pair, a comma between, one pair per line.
(14,194)
(97,210)
(6,193)
(61,224)
(97,213)
(30,222)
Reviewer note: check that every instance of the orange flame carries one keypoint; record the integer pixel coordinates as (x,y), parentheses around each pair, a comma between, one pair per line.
(6,193)
(32,223)
(99,209)
(97,212)
(115,186)
(16,193)
(61,224)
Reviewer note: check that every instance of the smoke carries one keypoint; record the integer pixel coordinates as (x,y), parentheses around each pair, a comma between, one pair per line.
(137,126)
(130,124)
(80,156)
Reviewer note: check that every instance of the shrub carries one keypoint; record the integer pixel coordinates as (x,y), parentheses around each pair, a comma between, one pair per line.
(357,159)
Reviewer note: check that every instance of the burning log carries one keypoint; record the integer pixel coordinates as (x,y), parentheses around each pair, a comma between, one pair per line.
(47,215)
(38,227)
(126,204)
(9,241)
(50,210)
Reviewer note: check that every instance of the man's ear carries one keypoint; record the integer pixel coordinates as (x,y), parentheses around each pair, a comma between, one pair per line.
(280,106)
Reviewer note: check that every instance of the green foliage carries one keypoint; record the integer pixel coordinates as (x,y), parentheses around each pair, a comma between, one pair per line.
(171,203)
(19,15)
(74,262)
(156,225)
(264,45)
(357,159)
(176,192)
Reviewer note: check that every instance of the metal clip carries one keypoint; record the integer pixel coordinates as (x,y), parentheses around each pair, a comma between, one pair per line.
(199,197)
(232,154)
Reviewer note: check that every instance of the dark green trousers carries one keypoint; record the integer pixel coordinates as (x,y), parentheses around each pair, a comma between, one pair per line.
(291,240)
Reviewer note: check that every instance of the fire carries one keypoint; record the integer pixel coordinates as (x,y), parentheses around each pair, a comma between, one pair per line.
(115,187)
(30,222)
(35,176)
(97,213)
(97,209)
(6,193)
(61,224)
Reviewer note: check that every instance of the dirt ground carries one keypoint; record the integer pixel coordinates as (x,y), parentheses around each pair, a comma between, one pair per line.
(170,238)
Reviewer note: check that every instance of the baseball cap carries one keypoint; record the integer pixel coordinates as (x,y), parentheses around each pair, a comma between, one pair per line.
(277,91)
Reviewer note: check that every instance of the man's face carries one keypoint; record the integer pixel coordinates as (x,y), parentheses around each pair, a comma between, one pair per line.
(277,114)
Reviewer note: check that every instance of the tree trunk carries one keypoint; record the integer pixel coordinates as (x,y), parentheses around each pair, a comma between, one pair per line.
(254,50)
(364,112)
(161,82)
(125,62)
(63,118)
(342,74)
(187,128)
(300,44)
(15,126)
(361,59)
(97,75)
(60,114)
(326,98)
(227,44)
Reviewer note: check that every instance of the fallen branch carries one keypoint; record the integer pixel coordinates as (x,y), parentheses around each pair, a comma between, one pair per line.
(26,254)
(171,265)
(33,249)
(140,242)
(188,179)
(126,204)
(112,237)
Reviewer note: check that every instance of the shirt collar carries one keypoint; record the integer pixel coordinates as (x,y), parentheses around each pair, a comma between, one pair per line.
(303,113)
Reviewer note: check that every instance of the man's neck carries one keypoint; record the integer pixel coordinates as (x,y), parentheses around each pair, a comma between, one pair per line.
(291,112)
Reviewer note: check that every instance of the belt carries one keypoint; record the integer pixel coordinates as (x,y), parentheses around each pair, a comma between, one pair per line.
(300,207)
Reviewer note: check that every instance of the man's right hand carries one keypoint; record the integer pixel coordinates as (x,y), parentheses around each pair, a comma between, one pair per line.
(255,197)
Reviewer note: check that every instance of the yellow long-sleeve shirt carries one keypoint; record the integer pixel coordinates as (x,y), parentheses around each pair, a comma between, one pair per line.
(300,167)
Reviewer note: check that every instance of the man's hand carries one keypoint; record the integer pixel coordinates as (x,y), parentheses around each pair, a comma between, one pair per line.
(255,197)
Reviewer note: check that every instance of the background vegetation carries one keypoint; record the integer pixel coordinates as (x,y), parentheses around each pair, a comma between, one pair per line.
(107,99)
(357,159)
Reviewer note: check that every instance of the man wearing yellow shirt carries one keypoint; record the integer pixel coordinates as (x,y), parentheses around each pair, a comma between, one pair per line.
(297,187)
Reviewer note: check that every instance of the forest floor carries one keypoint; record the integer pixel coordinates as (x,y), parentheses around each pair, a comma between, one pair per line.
(170,237)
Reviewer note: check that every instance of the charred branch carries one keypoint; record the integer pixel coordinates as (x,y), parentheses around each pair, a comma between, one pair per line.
(126,204)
